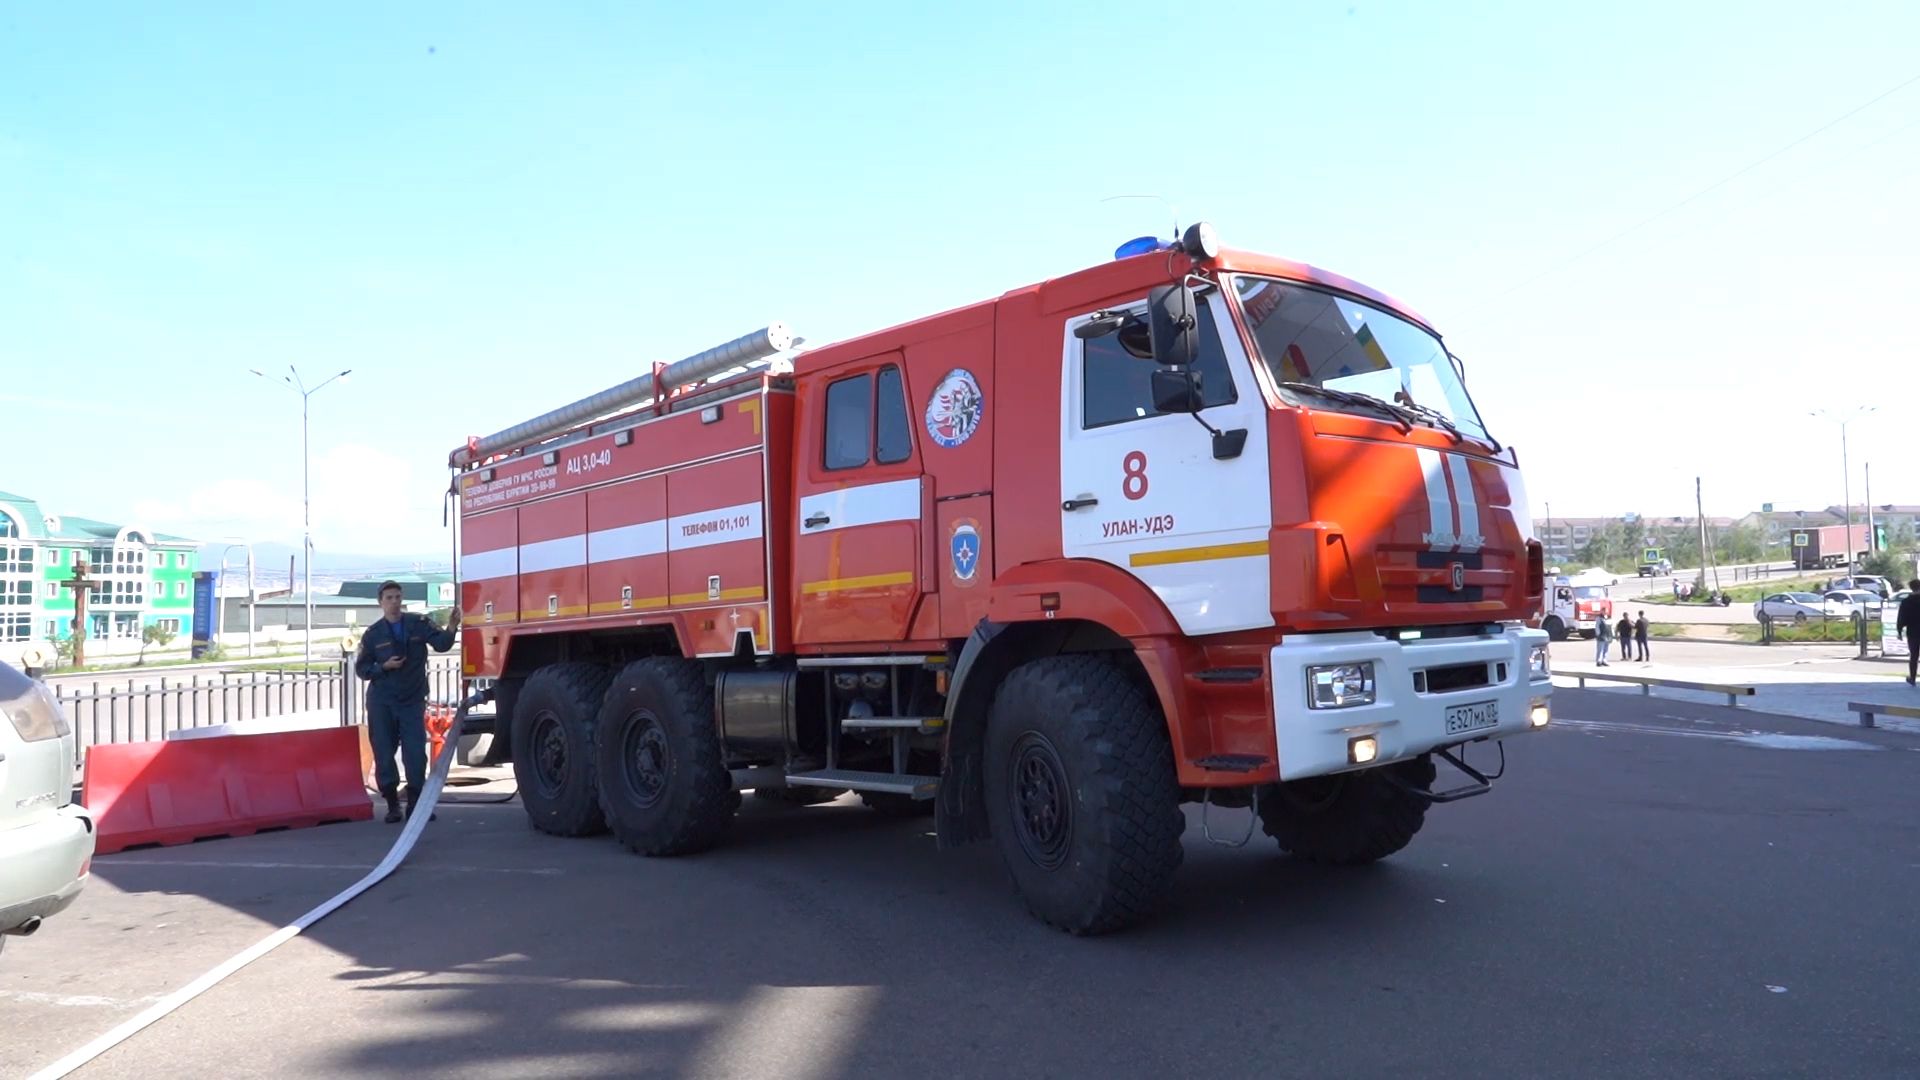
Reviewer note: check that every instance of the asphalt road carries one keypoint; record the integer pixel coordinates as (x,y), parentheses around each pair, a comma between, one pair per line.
(1652,890)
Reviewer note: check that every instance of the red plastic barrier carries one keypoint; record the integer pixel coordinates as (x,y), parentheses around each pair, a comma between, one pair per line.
(235,785)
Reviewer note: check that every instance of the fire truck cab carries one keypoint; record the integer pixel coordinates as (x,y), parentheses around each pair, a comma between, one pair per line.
(1575,609)
(1192,526)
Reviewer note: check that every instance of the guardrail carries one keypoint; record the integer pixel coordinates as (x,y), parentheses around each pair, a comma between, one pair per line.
(1734,691)
(1868,710)
(149,707)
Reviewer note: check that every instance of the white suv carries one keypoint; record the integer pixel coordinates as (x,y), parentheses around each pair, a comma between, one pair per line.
(46,842)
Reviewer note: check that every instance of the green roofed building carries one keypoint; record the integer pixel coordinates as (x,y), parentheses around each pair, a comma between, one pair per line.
(145,577)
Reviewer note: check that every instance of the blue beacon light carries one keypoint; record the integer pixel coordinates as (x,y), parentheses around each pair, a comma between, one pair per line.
(1139,245)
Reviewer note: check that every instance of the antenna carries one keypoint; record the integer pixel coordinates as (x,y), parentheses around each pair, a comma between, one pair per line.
(1171,210)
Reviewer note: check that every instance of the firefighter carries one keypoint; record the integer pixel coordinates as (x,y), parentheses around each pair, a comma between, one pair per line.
(393,661)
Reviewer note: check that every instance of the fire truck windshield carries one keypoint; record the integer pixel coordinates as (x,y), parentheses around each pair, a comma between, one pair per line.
(1315,339)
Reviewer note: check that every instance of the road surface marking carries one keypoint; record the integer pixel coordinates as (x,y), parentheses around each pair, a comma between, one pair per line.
(110,861)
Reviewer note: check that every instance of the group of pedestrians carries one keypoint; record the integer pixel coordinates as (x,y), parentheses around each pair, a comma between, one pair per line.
(1629,633)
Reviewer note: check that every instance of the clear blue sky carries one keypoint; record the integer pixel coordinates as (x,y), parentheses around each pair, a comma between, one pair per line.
(486,212)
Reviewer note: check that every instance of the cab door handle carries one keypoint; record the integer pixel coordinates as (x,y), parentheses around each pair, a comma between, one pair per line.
(817,520)
(1080,503)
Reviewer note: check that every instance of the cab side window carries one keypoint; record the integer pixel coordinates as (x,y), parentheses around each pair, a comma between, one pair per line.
(867,421)
(1116,386)
(893,438)
(849,422)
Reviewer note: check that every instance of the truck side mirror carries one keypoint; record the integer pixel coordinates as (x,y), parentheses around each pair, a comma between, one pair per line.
(1176,390)
(1173,323)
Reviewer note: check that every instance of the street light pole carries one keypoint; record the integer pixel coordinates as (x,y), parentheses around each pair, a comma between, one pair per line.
(1846,470)
(306,492)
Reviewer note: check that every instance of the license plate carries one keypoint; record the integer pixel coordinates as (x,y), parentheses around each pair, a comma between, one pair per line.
(1474,717)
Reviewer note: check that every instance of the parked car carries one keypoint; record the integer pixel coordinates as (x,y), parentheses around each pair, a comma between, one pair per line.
(1800,606)
(1872,583)
(1854,600)
(46,842)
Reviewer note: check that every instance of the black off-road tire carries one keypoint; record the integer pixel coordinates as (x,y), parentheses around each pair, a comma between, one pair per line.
(1081,793)
(1347,819)
(1556,630)
(798,796)
(664,785)
(553,722)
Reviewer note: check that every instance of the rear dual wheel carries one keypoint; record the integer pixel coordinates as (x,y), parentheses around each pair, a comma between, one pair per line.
(663,782)
(552,721)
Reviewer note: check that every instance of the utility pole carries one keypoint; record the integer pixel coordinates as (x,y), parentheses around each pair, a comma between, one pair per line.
(81,585)
(1846,471)
(1706,553)
(1873,538)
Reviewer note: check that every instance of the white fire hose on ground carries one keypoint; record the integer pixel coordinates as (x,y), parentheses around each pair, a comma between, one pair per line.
(402,846)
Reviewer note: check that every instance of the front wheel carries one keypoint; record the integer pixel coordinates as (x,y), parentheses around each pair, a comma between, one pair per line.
(1556,630)
(1081,793)
(1348,818)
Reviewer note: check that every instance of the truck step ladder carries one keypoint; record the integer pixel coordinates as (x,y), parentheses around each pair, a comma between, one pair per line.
(919,787)
(912,725)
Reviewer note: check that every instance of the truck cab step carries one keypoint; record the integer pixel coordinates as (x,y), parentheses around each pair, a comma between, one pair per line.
(919,787)
(923,725)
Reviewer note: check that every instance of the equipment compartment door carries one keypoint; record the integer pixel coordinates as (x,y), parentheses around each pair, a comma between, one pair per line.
(857,548)
(1143,491)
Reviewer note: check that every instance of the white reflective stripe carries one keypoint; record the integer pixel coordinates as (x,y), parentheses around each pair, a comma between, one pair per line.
(627,541)
(721,526)
(1465,503)
(868,504)
(1439,505)
(481,565)
(558,554)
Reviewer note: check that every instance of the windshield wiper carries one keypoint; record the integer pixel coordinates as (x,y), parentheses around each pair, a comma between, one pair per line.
(1400,416)
(1438,418)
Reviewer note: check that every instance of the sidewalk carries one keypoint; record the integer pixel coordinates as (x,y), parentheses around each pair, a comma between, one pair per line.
(1810,681)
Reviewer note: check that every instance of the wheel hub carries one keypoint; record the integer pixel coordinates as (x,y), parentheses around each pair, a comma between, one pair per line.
(550,762)
(647,762)
(1042,801)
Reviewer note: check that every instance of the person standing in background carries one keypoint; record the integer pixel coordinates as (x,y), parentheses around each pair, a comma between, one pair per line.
(1624,634)
(1602,637)
(1640,628)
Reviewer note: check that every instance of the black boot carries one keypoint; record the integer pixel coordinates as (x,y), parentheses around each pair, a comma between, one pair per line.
(393,805)
(413,800)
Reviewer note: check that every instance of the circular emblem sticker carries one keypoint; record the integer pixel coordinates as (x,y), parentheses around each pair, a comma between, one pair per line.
(955,409)
(965,549)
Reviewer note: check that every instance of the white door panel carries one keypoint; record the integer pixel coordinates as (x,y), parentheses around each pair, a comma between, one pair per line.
(1192,528)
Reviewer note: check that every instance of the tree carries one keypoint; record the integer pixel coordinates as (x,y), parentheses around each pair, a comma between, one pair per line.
(154,634)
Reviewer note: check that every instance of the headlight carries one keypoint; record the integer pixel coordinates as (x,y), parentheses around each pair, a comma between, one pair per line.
(1339,686)
(36,717)
(1540,663)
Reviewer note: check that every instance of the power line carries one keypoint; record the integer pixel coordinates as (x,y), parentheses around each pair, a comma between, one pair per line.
(1715,186)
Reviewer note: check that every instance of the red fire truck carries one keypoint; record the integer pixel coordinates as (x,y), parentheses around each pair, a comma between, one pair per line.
(1191,526)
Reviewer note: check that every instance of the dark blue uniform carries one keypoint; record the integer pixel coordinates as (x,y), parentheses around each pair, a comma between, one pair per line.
(397,699)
